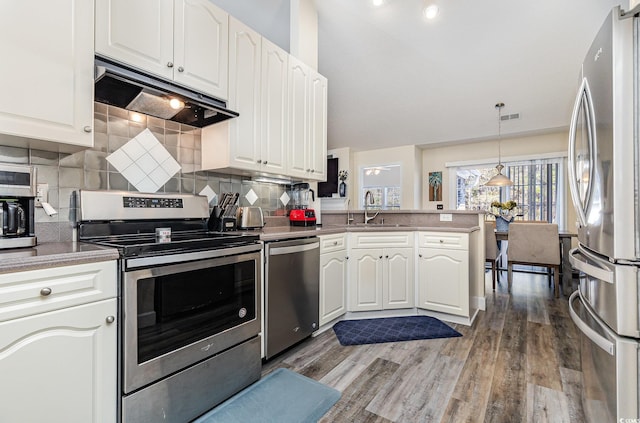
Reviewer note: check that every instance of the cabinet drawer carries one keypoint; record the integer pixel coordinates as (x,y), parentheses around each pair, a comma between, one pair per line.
(450,240)
(331,243)
(382,239)
(37,291)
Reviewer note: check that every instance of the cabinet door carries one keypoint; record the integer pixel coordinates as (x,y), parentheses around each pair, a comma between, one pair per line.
(333,285)
(299,74)
(444,280)
(245,50)
(365,280)
(138,33)
(201,47)
(60,366)
(275,112)
(318,127)
(48,50)
(398,281)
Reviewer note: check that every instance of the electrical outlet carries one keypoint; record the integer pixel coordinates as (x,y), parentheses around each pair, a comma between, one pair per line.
(42,194)
(446,217)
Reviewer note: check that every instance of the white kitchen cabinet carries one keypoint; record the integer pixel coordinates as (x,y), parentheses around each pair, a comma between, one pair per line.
(443,272)
(307,122)
(58,344)
(185,41)
(255,141)
(381,278)
(333,277)
(47,78)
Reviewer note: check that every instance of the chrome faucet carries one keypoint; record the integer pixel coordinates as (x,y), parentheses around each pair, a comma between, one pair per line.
(368,197)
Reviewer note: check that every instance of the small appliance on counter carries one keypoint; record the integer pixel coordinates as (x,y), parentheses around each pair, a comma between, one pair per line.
(17,201)
(249,218)
(223,216)
(302,215)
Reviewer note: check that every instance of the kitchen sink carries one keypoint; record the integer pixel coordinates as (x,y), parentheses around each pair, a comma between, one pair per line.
(378,225)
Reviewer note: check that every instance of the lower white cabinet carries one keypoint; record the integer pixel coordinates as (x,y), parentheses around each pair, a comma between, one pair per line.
(60,366)
(381,278)
(443,273)
(333,277)
(58,344)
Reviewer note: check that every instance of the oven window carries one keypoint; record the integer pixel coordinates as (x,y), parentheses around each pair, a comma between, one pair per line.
(178,309)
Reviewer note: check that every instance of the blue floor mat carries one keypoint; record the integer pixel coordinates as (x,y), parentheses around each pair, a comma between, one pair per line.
(391,329)
(282,396)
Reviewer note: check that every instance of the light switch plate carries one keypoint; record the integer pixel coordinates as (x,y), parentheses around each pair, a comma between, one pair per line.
(446,217)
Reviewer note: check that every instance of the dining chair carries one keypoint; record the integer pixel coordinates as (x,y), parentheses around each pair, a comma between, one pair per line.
(535,244)
(491,251)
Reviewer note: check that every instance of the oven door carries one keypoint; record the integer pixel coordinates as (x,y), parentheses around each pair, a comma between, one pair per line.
(179,314)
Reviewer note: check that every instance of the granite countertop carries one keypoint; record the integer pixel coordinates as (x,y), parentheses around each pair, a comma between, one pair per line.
(53,254)
(289,232)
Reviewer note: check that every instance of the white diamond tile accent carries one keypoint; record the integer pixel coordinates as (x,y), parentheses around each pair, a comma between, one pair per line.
(251,197)
(133,174)
(209,193)
(285,198)
(144,162)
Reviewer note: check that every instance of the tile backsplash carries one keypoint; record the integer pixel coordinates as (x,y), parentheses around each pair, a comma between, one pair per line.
(88,169)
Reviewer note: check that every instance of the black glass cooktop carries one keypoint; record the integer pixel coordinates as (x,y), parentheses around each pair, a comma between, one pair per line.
(147,244)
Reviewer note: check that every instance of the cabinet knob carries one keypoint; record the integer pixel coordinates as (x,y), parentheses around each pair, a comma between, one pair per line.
(386,257)
(180,69)
(110,319)
(335,242)
(441,241)
(169,64)
(259,161)
(265,162)
(87,129)
(313,170)
(380,256)
(308,170)
(346,258)
(420,255)
(45,292)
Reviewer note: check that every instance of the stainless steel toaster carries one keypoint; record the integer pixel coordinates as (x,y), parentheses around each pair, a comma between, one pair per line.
(249,217)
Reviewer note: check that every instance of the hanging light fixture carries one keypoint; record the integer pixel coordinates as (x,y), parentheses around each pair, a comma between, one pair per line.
(499,180)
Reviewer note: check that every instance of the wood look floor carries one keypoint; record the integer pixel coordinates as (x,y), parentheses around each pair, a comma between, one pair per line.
(519,362)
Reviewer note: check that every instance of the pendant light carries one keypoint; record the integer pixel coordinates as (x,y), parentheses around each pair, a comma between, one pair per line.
(499,180)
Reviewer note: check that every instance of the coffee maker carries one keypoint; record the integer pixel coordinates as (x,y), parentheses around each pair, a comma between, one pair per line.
(17,201)
(302,214)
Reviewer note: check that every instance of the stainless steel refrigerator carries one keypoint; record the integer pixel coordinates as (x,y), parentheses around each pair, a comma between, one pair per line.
(604,178)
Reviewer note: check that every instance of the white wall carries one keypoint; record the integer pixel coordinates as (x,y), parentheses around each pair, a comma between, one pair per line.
(304,32)
(407,156)
(434,159)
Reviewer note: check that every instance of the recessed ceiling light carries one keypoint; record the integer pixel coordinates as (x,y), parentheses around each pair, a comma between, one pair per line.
(431,11)
(377,3)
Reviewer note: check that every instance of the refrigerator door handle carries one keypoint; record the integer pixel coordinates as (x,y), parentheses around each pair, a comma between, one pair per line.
(583,264)
(583,96)
(594,336)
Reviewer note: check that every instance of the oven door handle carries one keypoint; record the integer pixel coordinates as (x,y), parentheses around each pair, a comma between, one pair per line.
(594,336)
(293,249)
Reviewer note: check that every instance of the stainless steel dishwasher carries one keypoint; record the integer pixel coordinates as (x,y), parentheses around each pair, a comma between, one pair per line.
(292,287)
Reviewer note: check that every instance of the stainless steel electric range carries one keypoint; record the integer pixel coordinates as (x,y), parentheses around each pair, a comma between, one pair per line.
(189,302)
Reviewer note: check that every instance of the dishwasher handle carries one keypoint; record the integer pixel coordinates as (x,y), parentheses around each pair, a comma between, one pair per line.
(277,251)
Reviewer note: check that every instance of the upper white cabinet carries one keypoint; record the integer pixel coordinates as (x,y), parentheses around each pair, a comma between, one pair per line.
(256,141)
(308,122)
(185,41)
(47,78)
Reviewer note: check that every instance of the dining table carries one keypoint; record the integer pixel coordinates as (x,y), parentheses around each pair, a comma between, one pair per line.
(566,271)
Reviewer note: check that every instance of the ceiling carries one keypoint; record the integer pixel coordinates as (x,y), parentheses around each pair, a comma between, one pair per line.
(397,79)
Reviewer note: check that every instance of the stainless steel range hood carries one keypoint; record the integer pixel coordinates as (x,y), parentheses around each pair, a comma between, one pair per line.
(130,89)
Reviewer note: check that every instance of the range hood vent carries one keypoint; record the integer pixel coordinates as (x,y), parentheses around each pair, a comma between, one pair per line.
(130,89)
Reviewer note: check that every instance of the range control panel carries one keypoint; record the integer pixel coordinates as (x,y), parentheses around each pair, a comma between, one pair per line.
(151,203)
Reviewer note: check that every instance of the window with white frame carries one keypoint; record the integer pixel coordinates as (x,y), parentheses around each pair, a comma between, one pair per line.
(538,188)
(385,183)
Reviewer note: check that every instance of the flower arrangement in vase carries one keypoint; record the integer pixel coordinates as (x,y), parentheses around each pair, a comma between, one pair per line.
(504,213)
(342,189)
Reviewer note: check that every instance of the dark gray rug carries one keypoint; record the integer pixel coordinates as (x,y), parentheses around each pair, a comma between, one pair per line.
(391,329)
